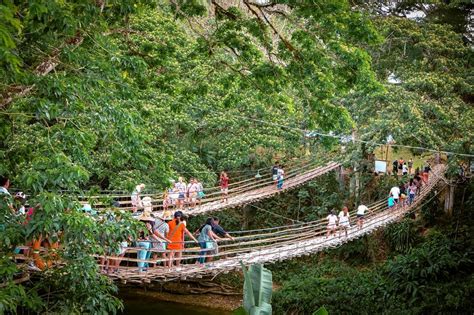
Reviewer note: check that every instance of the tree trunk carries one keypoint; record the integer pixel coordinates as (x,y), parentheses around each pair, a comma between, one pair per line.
(449,200)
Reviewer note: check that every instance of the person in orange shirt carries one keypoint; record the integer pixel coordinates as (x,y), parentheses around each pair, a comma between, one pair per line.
(176,236)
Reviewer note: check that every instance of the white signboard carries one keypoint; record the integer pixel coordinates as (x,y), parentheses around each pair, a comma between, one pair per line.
(381,166)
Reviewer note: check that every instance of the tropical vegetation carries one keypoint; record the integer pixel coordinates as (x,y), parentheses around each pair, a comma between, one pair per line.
(102,95)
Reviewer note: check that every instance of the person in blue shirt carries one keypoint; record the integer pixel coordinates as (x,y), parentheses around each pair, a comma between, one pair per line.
(391,202)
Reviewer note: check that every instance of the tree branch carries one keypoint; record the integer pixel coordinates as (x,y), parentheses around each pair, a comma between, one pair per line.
(16,91)
(287,43)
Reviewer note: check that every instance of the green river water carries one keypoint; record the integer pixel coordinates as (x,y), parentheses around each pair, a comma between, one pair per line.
(148,306)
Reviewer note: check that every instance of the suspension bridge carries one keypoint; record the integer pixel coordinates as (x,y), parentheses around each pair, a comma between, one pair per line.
(271,245)
(268,245)
(241,192)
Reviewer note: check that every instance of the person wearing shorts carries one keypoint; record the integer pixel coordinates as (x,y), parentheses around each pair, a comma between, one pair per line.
(224,185)
(200,194)
(192,193)
(161,230)
(332,224)
(360,215)
(344,220)
(181,189)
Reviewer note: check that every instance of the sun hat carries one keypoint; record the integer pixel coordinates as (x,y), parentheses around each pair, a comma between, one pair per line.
(146,216)
(20,195)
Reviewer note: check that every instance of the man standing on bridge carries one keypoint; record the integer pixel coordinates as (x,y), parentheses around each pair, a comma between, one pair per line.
(218,230)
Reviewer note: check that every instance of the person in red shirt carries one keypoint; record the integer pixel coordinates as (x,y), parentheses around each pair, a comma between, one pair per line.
(224,184)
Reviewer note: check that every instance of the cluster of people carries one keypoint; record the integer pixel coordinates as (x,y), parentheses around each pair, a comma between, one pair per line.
(342,221)
(180,195)
(404,194)
(278,175)
(165,237)
(400,167)
(399,196)
(19,206)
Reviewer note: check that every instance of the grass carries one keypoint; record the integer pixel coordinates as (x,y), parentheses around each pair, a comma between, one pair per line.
(397,153)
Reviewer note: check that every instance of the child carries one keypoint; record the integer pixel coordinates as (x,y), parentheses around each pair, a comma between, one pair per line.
(281,175)
(332,224)
(166,204)
(391,202)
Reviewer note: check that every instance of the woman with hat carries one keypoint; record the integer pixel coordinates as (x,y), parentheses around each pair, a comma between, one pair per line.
(153,236)
(161,230)
(144,240)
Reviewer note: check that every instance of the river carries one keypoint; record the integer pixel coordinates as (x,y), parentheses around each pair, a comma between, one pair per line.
(145,305)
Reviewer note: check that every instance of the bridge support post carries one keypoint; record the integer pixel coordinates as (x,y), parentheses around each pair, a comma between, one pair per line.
(449,200)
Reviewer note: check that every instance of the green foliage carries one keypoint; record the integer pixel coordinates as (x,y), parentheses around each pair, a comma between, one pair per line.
(257,290)
(401,236)
(107,94)
(434,275)
(433,65)
(321,311)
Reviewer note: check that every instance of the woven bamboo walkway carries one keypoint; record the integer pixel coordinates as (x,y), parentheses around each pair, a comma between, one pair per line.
(268,190)
(275,244)
(241,192)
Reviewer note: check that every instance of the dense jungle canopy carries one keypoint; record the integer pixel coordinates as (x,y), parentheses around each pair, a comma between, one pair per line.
(105,94)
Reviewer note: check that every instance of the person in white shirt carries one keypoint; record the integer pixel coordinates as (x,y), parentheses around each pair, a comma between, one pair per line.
(136,199)
(280,178)
(405,169)
(4,193)
(360,215)
(344,220)
(192,192)
(181,187)
(395,193)
(332,224)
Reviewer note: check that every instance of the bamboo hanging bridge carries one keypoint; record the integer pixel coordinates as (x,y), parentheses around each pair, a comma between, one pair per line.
(240,193)
(270,245)
(266,245)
